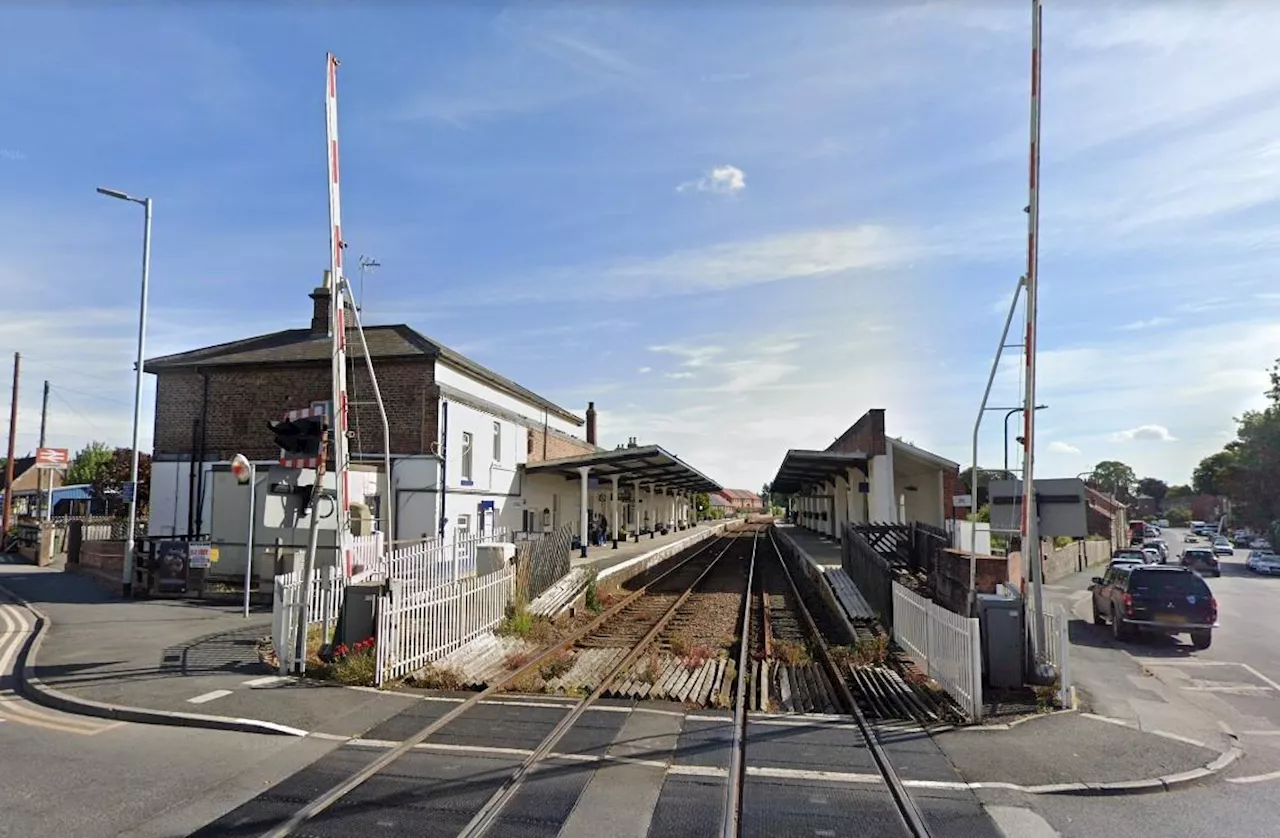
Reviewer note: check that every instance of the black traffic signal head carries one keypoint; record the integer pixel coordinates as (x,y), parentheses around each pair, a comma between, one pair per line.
(300,437)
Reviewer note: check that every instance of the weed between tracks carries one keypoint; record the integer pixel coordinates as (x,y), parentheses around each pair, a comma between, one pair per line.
(791,653)
(436,678)
(520,623)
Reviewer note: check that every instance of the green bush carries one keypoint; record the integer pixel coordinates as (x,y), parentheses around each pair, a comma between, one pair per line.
(1178,517)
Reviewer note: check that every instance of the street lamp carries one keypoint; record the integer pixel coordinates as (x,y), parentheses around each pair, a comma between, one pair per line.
(127,581)
(1006,432)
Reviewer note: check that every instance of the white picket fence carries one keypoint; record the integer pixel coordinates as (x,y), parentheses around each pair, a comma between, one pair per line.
(324,601)
(368,554)
(416,626)
(947,645)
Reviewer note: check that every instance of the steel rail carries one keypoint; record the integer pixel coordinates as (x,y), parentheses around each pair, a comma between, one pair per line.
(731,815)
(492,809)
(358,778)
(911,816)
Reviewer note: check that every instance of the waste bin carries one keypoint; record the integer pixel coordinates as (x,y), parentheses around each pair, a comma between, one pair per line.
(1003,635)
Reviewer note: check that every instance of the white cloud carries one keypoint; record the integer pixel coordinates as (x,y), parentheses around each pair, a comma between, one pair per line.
(678,375)
(645,370)
(1144,433)
(12,154)
(722,180)
(1057,447)
(691,356)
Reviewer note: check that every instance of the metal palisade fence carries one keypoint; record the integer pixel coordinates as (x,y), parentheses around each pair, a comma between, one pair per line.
(542,563)
(870,572)
(947,645)
(416,627)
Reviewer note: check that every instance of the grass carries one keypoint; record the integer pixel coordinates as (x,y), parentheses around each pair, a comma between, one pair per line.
(438,678)
(871,651)
(652,669)
(593,594)
(679,644)
(517,660)
(791,653)
(698,656)
(532,627)
(358,669)
(1047,696)
(556,665)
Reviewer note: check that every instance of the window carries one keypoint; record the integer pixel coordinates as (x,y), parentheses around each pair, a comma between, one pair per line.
(466,457)
(497,442)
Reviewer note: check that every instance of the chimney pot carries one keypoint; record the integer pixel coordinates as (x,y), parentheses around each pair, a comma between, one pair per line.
(591,423)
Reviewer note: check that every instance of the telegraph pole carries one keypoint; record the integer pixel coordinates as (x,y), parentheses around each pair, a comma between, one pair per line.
(13,439)
(44,424)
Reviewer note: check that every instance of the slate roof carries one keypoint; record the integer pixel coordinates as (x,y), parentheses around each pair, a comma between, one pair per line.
(293,346)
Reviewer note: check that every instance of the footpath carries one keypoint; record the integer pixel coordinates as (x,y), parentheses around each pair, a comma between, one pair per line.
(194,664)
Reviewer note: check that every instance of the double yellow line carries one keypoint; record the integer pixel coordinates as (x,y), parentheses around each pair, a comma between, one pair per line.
(14,630)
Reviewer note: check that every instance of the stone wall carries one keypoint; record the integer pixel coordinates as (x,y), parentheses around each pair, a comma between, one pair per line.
(951,582)
(101,560)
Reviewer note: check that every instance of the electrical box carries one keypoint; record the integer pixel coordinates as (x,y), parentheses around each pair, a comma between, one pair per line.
(359,617)
(1003,635)
(492,556)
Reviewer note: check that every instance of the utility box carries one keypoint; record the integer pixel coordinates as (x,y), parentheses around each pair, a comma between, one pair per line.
(1000,624)
(492,556)
(359,617)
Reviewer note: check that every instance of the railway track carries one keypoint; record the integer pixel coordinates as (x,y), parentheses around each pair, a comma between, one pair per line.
(636,622)
(762,629)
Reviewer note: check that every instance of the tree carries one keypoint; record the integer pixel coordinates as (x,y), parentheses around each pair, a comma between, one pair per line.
(1247,469)
(702,505)
(1113,476)
(1215,471)
(89,462)
(1155,489)
(985,476)
(1179,492)
(115,473)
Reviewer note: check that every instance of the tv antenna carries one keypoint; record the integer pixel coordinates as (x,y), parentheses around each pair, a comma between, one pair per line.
(365,263)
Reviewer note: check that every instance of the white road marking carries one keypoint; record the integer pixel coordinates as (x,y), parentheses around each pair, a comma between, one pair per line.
(209,696)
(1256,778)
(1107,719)
(1187,739)
(265,682)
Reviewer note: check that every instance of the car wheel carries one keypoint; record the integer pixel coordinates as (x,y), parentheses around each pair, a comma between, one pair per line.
(1098,619)
(1201,639)
(1118,629)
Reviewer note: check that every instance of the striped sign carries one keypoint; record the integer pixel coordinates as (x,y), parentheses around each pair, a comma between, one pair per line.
(287,459)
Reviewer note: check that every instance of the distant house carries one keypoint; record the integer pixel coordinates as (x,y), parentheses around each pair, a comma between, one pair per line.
(742,500)
(1108,517)
(27,485)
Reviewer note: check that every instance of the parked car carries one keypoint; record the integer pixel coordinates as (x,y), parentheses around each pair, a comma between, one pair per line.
(1167,600)
(1153,555)
(1201,559)
(1135,554)
(1163,523)
(1222,547)
(1159,546)
(1191,538)
(1264,562)
(1259,544)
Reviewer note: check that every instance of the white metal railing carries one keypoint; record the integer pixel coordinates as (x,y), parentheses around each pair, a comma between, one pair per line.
(324,600)
(417,628)
(948,645)
(368,556)
(428,563)
(1057,648)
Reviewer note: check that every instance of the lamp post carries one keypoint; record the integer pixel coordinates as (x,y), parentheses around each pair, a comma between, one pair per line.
(1006,432)
(127,581)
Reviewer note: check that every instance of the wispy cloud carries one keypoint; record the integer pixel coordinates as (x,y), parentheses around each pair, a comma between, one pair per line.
(677,375)
(1146,324)
(12,154)
(690,356)
(722,180)
(645,370)
(1058,447)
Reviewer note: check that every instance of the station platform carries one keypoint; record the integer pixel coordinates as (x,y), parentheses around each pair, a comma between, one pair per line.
(607,562)
(821,550)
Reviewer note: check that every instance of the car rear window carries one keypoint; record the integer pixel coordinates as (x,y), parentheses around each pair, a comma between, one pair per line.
(1199,554)
(1163,583)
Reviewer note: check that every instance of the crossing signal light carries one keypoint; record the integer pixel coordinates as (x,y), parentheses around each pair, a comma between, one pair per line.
(299,437)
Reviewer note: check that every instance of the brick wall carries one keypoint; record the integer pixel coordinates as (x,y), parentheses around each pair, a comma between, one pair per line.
(951,581)
(1064,561)
(101,560)
(865,436)
(242,399)
(952,485)
(558,445)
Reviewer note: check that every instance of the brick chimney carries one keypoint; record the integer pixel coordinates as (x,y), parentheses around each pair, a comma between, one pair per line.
(320,298)
(591,423)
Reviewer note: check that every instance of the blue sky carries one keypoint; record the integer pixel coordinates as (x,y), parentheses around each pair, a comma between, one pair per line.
(734,227)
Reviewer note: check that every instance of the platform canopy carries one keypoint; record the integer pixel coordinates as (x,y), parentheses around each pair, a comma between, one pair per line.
(802,468)
(646,462)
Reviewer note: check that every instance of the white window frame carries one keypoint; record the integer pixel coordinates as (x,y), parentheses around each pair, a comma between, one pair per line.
(464,462)
(497,441)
